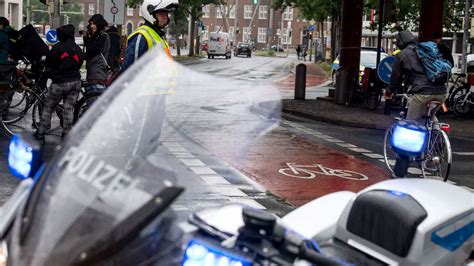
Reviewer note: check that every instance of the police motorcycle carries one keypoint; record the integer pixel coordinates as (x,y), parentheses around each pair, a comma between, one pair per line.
(114,191)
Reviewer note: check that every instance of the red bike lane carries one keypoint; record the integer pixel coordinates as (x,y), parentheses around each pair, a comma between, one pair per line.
(273,152)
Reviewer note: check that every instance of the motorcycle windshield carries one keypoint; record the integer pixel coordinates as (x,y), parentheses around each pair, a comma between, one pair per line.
(107,168)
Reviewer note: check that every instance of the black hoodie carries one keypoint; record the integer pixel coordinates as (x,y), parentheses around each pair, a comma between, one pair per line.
(408,68)
(66,57)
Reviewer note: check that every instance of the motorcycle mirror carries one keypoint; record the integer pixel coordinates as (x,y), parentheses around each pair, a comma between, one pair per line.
(24,156)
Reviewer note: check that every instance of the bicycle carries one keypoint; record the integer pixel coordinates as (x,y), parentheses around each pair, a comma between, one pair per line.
(459,87)
(369,90)
(302,171)
(464,104)
(436,158)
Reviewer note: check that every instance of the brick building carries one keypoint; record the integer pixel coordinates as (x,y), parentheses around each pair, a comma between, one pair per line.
(257,23)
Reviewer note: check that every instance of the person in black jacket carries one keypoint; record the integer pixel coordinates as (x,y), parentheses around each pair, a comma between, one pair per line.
(408,68)
(443,48)
(64,61)
(97,43)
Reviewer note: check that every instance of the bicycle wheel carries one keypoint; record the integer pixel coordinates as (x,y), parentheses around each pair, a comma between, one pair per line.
(350,175)
(19,103)
(298,174)
(439,156)
(17,119)
(455,94)
(389,154)
(372,99)
(18,98)
(462,106)
(81,105)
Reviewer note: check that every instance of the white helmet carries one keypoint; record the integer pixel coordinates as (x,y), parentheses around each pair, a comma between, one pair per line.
(149,7)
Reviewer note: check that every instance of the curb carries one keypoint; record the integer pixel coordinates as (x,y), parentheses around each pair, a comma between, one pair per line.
(454,133)
(328,120)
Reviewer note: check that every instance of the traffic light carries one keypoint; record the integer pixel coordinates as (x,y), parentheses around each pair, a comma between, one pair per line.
(255,2)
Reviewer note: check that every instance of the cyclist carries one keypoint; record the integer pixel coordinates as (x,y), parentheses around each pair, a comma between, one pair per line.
(65,60)
(156,15)
(408,68)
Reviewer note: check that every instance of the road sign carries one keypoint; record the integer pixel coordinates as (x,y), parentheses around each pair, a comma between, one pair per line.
(311,28)
(52,37)
(114,12)
(385,69)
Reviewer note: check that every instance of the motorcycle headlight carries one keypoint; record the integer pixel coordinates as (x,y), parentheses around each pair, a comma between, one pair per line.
(201,253)
(409,138)
(3,253)
(24,156)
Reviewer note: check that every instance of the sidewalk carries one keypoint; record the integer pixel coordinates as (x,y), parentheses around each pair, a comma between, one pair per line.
(318,85)
(355,116)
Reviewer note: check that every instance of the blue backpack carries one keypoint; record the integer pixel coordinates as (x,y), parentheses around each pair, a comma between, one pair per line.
(436,68)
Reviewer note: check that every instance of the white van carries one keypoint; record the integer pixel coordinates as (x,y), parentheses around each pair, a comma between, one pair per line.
(219,45)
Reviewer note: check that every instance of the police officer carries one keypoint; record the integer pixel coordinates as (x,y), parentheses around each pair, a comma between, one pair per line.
(147,36)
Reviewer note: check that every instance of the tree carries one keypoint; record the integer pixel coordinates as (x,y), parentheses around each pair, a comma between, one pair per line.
(320,11)
(39,13)
(405,15)
(179,26)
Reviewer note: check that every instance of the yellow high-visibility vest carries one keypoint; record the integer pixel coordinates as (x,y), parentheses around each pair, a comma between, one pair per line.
(152,38)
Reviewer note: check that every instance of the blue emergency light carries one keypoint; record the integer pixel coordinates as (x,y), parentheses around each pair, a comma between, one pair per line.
(201,253)
(24,156)
(409,138)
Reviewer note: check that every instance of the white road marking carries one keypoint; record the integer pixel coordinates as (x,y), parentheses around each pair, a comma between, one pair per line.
(346,145)
(177,149)
(214,180)
(203,170)
(171,144)
(248,202)
(333,140)
(192,162)
(464,153)
(360,150)
(374,156)
(179,207)
(228,190)
(217,183)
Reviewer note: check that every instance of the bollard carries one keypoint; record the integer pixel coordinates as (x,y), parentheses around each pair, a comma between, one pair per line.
(388,107)
(300,82)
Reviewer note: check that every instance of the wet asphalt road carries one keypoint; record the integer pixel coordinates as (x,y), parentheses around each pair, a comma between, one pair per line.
(261,179)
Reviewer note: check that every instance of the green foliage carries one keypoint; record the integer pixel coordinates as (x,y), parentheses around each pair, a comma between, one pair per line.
(134,3)
(39,12)
(406,15)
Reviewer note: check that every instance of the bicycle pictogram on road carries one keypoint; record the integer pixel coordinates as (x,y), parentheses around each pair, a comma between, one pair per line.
(312,171)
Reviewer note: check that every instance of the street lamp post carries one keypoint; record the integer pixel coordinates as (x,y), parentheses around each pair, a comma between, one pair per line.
(28,12)
(465,36)
(56,16)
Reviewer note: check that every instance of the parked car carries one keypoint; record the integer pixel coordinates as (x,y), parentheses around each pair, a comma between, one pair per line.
(243,49)
(368,58)
(278,48)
